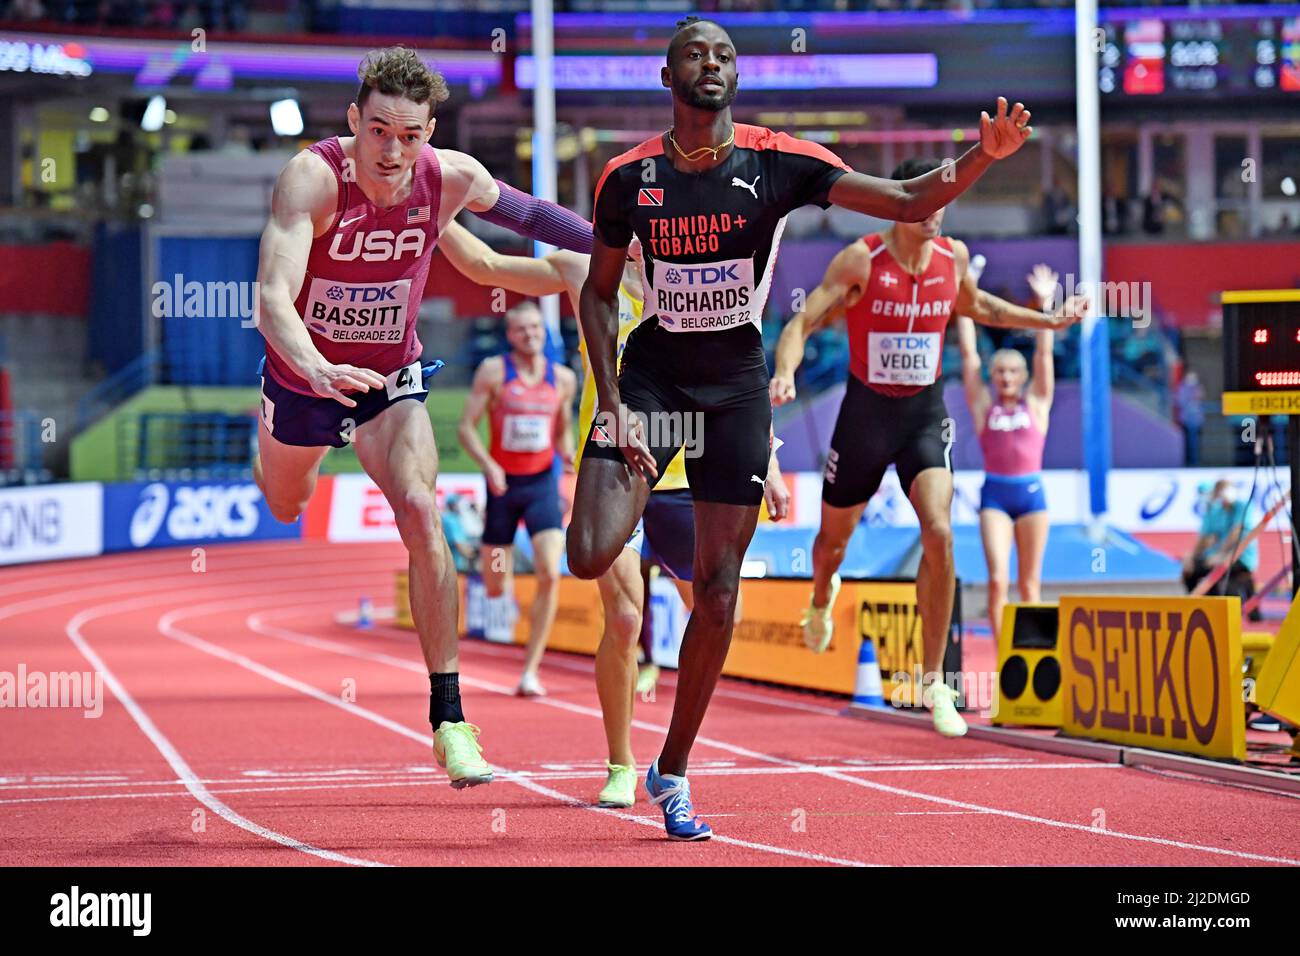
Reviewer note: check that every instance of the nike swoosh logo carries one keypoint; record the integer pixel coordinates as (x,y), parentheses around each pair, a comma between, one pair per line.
(347,222)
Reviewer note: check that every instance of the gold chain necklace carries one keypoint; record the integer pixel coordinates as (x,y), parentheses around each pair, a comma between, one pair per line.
(703,149)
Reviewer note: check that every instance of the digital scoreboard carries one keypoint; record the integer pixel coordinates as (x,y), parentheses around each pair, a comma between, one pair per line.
(1261,352)
(1226,54)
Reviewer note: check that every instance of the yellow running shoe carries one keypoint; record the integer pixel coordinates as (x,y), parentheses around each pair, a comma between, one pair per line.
(456,747)
(818,623)
(646,680)
(620,788)
(942,707)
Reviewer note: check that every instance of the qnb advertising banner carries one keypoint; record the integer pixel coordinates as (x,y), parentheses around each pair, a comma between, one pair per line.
(165,513)
(46,522)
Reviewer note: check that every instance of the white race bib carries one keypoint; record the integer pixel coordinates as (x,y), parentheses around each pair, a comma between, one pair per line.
(407,380)
(526,433)
(704,297)
(268,410)
(358,311)
(903,358)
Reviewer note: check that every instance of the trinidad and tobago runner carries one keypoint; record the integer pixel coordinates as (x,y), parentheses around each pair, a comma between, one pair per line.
(342,267)
(528,401)
(1011,421)
(667,530)
(898,289)
(708,199)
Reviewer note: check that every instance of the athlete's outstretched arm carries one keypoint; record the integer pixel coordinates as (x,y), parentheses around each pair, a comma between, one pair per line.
(304,192)
(972,375)
(1042,387)
(911,200)
(987,309)
(840,289)
(598,316)
(563,438)
(488,378)
(476,260)
(502,204)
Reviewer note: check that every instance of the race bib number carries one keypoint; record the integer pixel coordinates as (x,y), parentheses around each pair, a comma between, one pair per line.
(358,311)
(903,358)
(704,297)
(526,433)
(268,411)
(405,381)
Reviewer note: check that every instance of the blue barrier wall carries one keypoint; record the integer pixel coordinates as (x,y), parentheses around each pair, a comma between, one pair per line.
(116,326)
(213,347)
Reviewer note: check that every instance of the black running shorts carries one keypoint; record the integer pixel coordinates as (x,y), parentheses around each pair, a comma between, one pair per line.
(704,392)
(874,431)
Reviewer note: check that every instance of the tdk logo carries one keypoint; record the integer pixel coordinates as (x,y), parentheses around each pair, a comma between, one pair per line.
(702,275)
(906,342)
(379,246)
(371,294)
(201,511)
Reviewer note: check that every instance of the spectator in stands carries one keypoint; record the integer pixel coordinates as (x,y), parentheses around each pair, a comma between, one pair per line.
(463,550)
(1143,351)
(25,10)
(1226,521)
(1190,403)
(1059,213)
(239,141)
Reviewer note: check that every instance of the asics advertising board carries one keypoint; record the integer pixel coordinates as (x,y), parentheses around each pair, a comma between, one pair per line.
(163,514)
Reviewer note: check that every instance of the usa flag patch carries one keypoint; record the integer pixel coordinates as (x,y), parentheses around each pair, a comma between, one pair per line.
(417,215)
(650,197)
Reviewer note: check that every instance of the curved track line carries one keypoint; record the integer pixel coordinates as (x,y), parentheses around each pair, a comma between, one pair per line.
(45,573)
(167,627)
(257,573)
(831,774)
(182,769)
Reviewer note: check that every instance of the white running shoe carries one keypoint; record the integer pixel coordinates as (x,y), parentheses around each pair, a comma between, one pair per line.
(818,623)
(530,686)
(943,709)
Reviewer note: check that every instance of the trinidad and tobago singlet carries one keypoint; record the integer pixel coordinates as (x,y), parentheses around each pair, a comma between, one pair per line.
(896,328)
(709,242)
(365,276)
(522,421)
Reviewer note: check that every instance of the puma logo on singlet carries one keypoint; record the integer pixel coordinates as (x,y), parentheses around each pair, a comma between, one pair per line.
(737,181)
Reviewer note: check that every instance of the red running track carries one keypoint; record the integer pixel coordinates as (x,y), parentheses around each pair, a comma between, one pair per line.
(242,725)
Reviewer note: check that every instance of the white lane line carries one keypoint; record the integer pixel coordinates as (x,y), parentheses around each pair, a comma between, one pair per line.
(166,626)
(569,774)
(831,774)
(169,752)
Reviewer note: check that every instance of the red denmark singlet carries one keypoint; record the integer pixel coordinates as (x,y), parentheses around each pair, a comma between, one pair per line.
(896,328)
(365,277)
(523,422)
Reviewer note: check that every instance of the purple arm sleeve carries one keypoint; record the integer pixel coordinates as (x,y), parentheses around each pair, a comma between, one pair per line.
(538,219)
